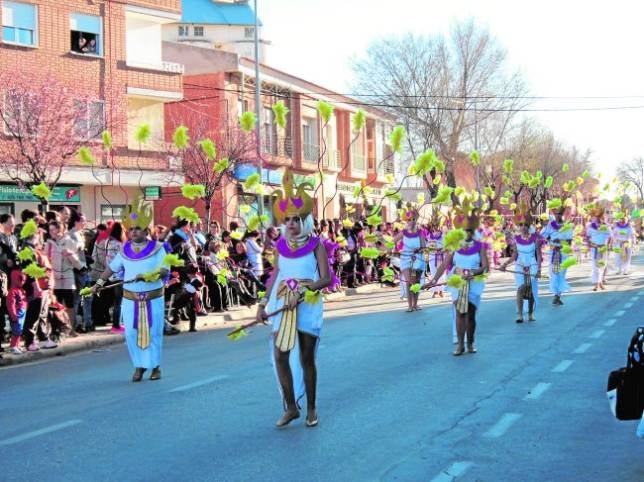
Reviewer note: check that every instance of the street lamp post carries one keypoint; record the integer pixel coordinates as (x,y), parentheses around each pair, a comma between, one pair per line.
(258,141)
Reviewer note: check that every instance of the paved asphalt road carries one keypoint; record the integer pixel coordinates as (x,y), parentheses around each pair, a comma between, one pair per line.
(394,404)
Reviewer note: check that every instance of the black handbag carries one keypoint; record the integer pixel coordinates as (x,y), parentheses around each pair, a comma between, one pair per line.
(625,388)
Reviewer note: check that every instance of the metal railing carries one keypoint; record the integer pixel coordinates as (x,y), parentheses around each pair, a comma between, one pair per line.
(332,159)
(281,147)
(359,161)
(311,152)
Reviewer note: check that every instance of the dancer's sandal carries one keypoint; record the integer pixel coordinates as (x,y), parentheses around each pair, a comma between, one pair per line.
(531,317)
(409,310)
(459,350)
(519,320)
(287,418)
(471,348)
(312,423)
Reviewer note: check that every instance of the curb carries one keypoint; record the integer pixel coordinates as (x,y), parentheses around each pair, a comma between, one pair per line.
(216,321)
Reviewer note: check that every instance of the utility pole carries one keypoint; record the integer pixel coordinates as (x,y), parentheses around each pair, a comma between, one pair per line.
(258,111)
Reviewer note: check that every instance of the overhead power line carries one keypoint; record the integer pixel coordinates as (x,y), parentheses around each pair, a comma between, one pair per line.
(385,105)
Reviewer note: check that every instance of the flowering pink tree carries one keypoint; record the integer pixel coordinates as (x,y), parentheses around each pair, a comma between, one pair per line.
(43,124)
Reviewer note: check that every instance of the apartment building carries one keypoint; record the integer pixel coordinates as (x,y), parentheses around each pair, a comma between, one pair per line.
(114,49)
(227,25)
(222,84)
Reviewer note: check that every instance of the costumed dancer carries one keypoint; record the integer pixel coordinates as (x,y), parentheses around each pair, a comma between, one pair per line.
(559,238)
(142,308)
(436,254)
(599,236)
(412,257)
(527,258)
(623,241)
(301,270)
(470,263)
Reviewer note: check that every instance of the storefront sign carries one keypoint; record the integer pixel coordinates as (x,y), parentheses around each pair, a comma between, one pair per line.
(59,194)
(152,193)
(270,176)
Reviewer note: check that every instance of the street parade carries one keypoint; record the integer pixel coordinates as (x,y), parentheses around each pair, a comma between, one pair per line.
(214,269)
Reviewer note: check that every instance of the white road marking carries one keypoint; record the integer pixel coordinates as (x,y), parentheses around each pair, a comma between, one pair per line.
(37,433)
(597,334)
(562,366)
(455,470)
(200,383)
(635,298)
(610,322)
(628,305)
(583,348)
(538,390)
(620,313)
(503,425)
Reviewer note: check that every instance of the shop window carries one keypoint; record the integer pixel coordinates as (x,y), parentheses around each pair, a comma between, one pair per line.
(19,21)
(89,120)
(184,30)
(86,34)
(198,31)
(249,32)
(112,212)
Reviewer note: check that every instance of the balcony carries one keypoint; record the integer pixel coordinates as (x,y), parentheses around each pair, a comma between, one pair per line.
(311,153)
(282,147)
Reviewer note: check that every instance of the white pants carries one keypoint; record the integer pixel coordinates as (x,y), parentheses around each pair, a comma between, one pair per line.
(623,265)
(598,271)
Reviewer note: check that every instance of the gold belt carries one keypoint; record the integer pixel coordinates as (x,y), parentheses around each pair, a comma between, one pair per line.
(287,289)
(142,295)
(463,302)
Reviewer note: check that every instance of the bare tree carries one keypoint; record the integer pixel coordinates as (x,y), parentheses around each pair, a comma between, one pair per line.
(231,143)
(633,173)
(445,91)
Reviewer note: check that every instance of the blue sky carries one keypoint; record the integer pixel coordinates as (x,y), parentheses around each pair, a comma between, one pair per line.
(563,48)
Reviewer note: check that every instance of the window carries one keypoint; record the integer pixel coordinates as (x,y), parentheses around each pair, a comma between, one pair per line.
(6,208)
(242,106)
(184,30)
(86,34)
(20,115)
(198,31)
(111,211)
(89,120)
(19,22)
(310,140)
(249,32)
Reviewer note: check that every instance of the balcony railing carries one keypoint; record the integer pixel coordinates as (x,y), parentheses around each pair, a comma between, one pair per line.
(332,159)
(359,161)
(311,152)
(388,167)
(280,147)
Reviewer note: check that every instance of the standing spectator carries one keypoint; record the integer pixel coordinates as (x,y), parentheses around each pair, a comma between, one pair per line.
(62,253)
(38,293)
(76,227)
(105,250)
(17,308)
(215,232)
(8,250)
(254,253)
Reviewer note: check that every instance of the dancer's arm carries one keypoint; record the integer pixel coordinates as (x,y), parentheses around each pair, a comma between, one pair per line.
(261,307)
(440,270)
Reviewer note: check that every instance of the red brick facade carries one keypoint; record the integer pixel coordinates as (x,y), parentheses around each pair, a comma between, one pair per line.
(107,76)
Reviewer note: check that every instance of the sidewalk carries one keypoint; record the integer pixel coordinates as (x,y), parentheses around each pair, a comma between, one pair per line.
(102,338)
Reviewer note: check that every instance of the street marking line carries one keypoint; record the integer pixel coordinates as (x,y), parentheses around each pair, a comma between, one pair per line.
(503,425)
(583,348)
(562,366)
(455,470)
(620,313)
(635,298)
(597,334)
(538,390)
(200,383)
(628,305)
(37,433)
(610,322)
